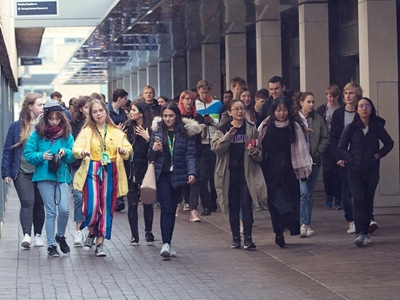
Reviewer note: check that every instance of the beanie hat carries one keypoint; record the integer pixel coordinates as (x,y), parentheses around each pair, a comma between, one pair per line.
(52,105)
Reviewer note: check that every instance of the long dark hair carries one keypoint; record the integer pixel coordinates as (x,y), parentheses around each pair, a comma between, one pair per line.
(78,116)
(373,118)
(178,126)
(271,122)
(144,109)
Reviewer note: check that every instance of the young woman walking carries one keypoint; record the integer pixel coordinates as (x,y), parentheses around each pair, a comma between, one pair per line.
(15,167)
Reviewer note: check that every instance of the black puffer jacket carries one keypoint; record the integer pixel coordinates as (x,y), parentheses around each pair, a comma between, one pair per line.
(184,158)
(358,149)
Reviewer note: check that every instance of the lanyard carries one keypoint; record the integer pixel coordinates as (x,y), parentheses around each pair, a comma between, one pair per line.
(171,146)
(103,140)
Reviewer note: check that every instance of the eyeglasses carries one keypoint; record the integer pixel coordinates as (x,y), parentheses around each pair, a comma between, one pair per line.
(188,98)
(362,106)
(238,109)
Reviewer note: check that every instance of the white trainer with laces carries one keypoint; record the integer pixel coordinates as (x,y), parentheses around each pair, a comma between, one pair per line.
(303,231)
(165,250)
(78,239)
(310,232)
(26,241)
(351,227)
(38,240)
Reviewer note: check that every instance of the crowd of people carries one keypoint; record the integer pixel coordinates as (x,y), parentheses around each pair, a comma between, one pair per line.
(239,153)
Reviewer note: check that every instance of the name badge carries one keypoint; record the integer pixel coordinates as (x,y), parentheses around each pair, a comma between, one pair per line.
(105,158)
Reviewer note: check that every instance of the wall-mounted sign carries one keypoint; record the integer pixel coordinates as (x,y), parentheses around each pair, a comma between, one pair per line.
(31,61)
(36,8)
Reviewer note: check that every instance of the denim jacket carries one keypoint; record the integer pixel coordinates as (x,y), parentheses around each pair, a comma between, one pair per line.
(12,156)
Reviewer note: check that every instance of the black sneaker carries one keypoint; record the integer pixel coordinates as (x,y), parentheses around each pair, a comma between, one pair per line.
(52,251)
(149,238)
(236,243)
(206,212)
(63,244)
(87,246)
(134,240)
(249,244)
(120,204)
(99,252)
(280,240)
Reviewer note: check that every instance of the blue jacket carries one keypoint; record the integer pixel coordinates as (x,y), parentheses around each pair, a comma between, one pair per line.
(184,153)
(11,156)
(36,147)
(117,118)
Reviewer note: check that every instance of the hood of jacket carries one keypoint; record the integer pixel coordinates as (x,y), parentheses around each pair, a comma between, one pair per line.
(192,126)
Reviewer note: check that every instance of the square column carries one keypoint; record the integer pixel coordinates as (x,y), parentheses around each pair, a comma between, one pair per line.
(314,49)
(211,68)
(120,82)
(134,86)
(164,78)
(152,77)
(194,67)
(178,73)
(269,51)
(235,54)
(142,79)
(127,84)
(377,31)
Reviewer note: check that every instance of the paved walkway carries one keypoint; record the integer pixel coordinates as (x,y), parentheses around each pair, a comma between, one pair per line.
(325,266)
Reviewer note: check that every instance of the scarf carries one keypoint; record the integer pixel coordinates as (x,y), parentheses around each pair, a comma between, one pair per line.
(300,155)
(52,133)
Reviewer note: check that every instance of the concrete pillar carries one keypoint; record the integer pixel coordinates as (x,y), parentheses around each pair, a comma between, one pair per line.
(377,31)
(194,67)
(142,79)
(268,41)
(152,78)
(120,82)
(164,78)
(134,86)
(212,67)
(127,84)
(314,48)
(194,39)
(235,40)
(210,48)
(178,74)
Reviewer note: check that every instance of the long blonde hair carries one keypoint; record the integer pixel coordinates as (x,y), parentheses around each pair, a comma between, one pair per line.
(90,122)
(25,117)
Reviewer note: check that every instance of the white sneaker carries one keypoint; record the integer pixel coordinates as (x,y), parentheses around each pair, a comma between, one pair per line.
(172,251)
(26,241)
(186,207)
(303,231)
(165,250)
(367,240)
(38,240)
(78,239)
(310,232)
(351,227)
(194,217)
(373,226)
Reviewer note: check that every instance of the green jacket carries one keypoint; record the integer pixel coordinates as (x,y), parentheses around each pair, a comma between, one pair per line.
(319,138)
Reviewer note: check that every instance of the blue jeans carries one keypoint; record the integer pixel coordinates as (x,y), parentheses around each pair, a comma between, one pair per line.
(307,189)
(347,197)
(169,198)
(78,214)
(48,190)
